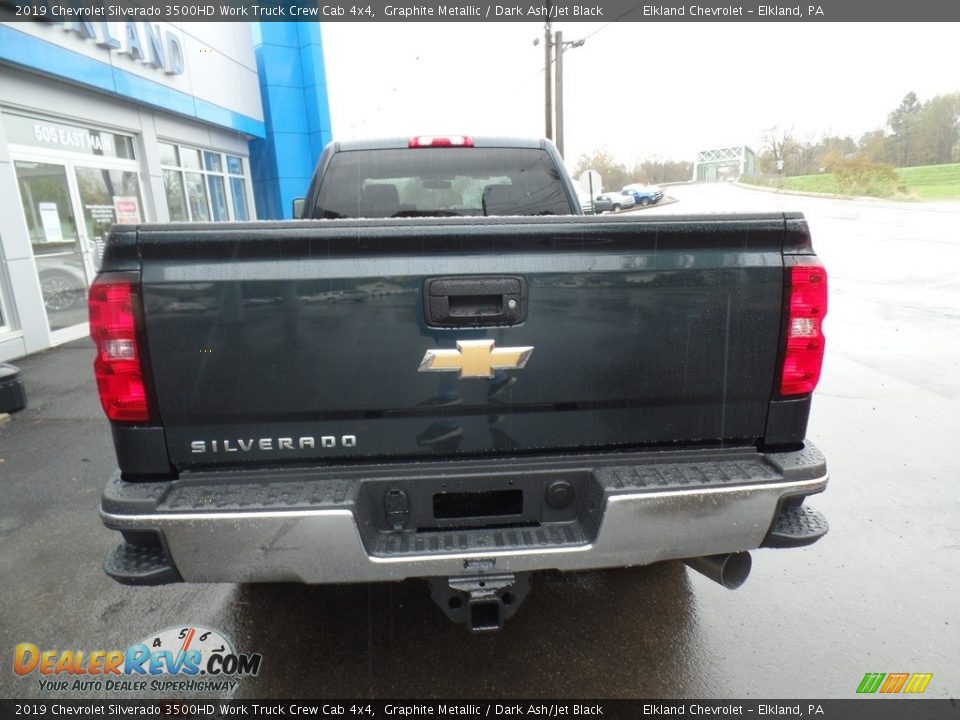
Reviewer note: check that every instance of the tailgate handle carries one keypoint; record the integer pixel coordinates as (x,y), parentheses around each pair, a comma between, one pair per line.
(475,301)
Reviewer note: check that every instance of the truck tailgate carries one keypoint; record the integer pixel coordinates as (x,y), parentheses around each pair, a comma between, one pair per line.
(305,341)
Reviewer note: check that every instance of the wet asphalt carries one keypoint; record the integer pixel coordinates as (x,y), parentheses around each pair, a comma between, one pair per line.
(880,593)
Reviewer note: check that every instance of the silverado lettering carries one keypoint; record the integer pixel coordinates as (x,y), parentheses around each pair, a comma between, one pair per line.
(282,443)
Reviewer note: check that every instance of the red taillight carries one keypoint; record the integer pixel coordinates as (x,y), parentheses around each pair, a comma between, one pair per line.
(117,367)
(422,141)
(806,309)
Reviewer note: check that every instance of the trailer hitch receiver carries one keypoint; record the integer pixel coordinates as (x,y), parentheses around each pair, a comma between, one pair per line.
(481,602)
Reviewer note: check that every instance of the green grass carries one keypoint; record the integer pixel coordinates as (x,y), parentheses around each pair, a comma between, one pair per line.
(825,183)
(932,182)
(928,182)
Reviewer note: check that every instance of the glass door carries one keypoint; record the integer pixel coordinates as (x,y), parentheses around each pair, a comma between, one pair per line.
(57,244)
(107,196)
(75,182)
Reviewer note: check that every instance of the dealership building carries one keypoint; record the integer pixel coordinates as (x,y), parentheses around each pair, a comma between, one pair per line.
(106,122)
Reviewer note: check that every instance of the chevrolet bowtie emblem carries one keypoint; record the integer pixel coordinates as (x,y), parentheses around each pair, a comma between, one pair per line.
(475,359)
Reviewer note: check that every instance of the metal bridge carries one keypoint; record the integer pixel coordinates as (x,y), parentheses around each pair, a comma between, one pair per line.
(724,164)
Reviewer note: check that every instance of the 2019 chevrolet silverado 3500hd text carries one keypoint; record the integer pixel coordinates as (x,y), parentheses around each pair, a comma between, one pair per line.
(443,371)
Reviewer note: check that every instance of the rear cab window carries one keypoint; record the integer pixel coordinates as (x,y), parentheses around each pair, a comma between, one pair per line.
(441,182)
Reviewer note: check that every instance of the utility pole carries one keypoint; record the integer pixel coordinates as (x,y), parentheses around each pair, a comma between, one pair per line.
(558,43)
(560,46)
(547,89)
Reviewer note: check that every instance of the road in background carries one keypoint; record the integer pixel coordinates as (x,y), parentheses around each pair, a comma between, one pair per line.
(878,594)
(894,272)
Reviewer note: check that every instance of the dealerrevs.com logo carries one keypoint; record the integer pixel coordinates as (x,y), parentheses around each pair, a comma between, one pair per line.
(190,658)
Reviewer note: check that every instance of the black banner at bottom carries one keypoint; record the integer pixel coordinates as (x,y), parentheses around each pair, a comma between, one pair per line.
(871,708)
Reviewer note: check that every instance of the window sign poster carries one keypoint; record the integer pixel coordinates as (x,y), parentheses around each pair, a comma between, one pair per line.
(50,218)
(101,214)
(127,209)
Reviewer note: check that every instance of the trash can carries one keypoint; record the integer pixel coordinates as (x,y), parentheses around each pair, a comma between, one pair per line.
(12,395)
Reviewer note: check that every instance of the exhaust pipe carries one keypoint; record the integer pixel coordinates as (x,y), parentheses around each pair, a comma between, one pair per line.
(730,570)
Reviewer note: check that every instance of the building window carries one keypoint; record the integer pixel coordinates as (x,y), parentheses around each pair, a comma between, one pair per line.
(238,187)
(197,182)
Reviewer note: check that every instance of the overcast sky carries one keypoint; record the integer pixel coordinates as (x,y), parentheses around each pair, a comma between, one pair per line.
(636,89)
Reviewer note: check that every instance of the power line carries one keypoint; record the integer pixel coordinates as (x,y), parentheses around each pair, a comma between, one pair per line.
(618,17)
(600,29)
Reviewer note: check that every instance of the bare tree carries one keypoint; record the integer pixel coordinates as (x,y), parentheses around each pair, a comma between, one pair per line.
(656,169)
(614,173)
(805,156)
(777,143)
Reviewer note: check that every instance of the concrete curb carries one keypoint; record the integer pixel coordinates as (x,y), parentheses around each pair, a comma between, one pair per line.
(780,191)
(665,200)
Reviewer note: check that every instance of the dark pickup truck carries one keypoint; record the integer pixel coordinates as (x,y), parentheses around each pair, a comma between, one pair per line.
(446,373)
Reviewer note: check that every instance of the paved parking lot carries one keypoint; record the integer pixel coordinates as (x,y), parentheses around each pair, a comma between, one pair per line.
(878,594)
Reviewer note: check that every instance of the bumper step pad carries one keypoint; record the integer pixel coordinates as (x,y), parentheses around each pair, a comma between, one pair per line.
(131,564)
(796,527)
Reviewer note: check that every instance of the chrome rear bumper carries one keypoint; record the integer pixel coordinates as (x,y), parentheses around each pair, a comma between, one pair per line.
(325,526)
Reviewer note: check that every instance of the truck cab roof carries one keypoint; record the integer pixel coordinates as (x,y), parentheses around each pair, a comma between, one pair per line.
(396,143)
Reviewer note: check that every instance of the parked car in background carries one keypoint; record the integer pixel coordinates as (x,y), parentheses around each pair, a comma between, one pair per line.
(613,201)
(643,194)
